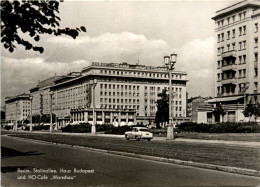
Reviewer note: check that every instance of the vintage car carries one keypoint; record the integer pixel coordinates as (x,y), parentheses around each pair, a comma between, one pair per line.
(139,133)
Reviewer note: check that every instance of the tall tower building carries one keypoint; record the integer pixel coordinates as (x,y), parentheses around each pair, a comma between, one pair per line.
(237,79)
(237,50)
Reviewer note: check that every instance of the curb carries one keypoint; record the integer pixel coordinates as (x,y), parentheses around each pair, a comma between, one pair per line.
(242,171)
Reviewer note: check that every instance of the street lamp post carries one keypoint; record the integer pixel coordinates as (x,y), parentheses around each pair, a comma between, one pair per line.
(15,127)
(51,128)
(93,127)
(31,98)
(170,61)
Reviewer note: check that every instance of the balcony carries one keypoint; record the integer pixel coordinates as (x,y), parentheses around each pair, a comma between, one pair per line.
(229,54)
(229,81)
(231,67)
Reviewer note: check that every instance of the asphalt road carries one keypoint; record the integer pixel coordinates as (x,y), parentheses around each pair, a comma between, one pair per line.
(101,169)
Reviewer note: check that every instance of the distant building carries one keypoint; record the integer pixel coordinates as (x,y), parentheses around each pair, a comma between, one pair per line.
(236,58)
(125,94)
(41,96)
(193,104)
(17,108)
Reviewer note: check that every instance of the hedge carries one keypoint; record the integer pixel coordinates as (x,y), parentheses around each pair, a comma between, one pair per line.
(86,128)
(225,127)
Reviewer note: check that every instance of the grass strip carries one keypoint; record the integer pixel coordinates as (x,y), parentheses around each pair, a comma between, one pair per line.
(223,155)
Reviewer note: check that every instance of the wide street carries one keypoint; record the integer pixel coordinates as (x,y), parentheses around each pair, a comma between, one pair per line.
(28,159)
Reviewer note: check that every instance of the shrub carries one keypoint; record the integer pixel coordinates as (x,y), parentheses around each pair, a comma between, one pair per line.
(39,127)
(225,127)
(8,127)
(117,130)
(81,128)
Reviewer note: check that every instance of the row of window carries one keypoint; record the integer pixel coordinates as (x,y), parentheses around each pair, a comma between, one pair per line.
(232,19)
(109,100)
(105,106)
(241,60)
(134,73)
(113,86)
(242,31)
(231,75)
(242,46)
(123,94)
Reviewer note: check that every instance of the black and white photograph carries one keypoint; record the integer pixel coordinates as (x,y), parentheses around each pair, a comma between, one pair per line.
(130,93)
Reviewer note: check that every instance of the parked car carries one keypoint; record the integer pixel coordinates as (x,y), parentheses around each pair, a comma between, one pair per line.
(139,133)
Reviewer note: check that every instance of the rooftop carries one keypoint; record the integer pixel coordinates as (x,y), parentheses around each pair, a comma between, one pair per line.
(17,97)
(126,66)
(236,7)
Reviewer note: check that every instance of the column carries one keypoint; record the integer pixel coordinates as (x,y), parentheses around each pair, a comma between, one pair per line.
(134,118)
(86,116)
(103,117)
(119,118)
(126,118)
(111,117)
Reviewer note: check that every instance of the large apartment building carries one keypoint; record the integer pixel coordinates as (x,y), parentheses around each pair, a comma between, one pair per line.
(236,57)
(123,94)
(17,108)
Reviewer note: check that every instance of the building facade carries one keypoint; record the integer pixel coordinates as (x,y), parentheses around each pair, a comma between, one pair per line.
(236,56)
(18,108)
(192,106)
(41,96)
(124,94)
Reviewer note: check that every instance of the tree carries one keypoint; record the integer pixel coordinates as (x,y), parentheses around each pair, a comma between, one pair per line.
(219,111)
(252,110)
(35,18)
(162,113)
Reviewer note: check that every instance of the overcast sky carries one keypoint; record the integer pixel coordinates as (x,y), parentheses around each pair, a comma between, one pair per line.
(132,31)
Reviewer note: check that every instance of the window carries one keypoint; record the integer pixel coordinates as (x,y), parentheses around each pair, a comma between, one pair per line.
(228,20)
(256,72)
(222,50)
(256,84)
(222,22)
(256,42)
(244,30)
(244,59)
(234,33)
(222,37)
(218,37)
(241,87)
(219,65)
(240,73)
(234,46)
(244,73)
(240,16)
(256,27)
(234,18)
(240,59)
(228,35)
(256,57)
(240,45)
(228,47)
(244,14)
(240,31)
(219,79)
(244,42)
